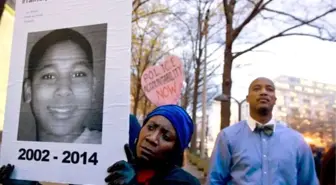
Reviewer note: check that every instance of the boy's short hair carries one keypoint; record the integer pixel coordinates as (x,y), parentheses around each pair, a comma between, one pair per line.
(55,37)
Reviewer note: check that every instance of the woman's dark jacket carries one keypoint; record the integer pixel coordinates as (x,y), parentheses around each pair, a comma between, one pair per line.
(175,176)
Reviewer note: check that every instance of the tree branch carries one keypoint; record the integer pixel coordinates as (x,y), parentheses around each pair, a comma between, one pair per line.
(186,25)
(136,18)
(257,8)
(333,39)
(228,12)
(284,33)
(214,51)
(137,4)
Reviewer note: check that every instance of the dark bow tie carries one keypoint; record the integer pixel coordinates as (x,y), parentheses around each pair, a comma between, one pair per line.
(267,129)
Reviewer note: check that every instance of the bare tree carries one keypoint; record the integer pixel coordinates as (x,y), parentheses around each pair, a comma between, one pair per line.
(149,46)
(188,90)
(188,66)
(189,19)
(287,18)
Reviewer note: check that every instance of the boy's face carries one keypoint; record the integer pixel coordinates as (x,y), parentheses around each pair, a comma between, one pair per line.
(61,90)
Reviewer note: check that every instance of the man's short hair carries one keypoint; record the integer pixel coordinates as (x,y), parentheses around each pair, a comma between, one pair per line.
(55,37)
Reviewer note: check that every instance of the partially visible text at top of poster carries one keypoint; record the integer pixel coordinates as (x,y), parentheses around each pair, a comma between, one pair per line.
(67,106)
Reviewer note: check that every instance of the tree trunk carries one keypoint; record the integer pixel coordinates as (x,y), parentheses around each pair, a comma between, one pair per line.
(145,107)
(137,97)
(193,147)
(185,98)
(226,87)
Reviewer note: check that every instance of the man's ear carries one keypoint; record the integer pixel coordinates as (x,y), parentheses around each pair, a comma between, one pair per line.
(27,92)
(247,99)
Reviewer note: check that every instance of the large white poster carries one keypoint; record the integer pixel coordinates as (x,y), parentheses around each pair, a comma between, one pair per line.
(67,107)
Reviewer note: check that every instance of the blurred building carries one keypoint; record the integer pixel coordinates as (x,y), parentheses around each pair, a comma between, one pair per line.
(308,106)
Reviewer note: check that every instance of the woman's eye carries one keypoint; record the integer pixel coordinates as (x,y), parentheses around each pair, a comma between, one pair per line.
(150,127)
(166,137)
(48,76)
(79,74)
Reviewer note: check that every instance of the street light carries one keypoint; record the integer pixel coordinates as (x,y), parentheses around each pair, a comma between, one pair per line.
(226,98)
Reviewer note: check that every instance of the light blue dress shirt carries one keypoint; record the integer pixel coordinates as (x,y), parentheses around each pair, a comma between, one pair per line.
(244,156)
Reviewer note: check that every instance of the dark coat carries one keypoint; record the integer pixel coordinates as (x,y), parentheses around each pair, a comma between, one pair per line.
(20,182)
(175,176)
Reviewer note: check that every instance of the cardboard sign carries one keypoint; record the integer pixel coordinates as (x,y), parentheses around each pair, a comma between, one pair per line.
(163,83)
(64,121)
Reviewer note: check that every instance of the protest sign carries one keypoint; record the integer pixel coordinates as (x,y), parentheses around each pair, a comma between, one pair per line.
(163,83)
(64,121)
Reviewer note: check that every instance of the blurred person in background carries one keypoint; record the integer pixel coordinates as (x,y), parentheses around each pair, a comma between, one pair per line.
(327,175)
(317,154)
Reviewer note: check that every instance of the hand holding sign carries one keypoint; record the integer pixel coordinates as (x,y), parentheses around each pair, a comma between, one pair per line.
(5,172)
(122,172)
(163,84)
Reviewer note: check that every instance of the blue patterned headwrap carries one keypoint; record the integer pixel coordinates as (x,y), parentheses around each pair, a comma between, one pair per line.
(180,120)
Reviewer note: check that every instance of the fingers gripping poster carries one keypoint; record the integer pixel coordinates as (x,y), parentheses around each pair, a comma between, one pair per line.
(67,106)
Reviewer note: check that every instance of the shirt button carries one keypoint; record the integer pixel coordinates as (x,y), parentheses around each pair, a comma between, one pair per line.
(264,140)
(265,172)
(265,156)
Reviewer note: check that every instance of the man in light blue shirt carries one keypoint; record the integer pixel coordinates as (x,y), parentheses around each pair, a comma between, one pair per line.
(260,150)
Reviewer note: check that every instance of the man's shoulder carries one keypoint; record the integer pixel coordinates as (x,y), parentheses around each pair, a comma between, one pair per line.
(232,130)
(285,128)
(282,123)
(289,133)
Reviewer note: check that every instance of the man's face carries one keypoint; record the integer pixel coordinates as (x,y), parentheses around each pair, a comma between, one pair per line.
(156,139)
(61,90)
(261,95)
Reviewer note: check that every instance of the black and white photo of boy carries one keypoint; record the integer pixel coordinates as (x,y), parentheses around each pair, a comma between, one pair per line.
(60,88)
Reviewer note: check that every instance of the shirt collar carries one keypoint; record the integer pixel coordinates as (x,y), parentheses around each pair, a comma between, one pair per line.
(252,123)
